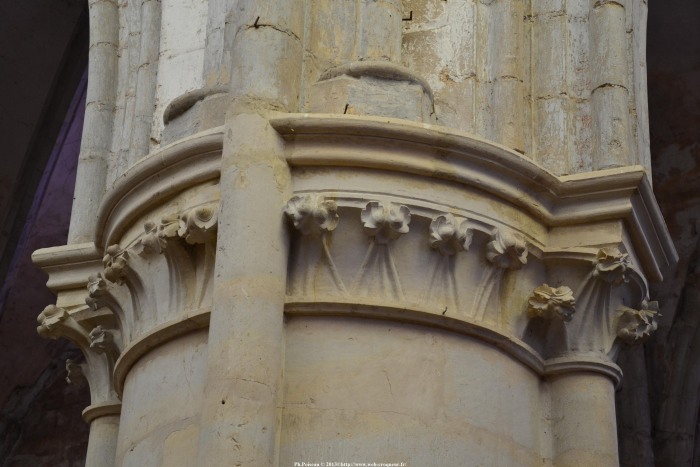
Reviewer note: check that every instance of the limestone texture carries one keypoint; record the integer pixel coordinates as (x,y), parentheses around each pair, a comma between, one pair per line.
(322,231)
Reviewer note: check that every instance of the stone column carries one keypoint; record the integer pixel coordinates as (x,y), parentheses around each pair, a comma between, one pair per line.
(304,267)
(240,406)
(102,446)
(356,62)
(95,147)
(561,82)
(582,404)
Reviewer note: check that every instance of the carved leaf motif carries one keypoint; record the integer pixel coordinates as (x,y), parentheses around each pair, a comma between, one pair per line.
(312,214)
(385,223)
(449,235)
(635,326)
(611,265)
(169,226)
(96,286)
(100,339)
(198,225)
(549,303)
(152,241)
(49,318)
(506,251)
(114,262)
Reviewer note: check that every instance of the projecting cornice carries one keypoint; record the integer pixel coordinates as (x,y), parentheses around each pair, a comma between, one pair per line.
(68,265)
(622,193)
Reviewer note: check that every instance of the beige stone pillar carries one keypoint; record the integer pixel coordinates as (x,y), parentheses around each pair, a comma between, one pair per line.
(146,79)
(561,82)
(102,444)
(95,147)
(240,406)
(240,414)
(354,62)
(583,420)
(609,88)
(302,266)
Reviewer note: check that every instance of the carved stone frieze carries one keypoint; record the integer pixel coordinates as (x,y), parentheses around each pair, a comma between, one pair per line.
(448,235)
(506,252)
(315,217)
(378,275)
(589,314)
(178,249)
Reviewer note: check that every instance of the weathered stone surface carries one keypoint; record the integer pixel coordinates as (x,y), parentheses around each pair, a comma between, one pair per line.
(404,310)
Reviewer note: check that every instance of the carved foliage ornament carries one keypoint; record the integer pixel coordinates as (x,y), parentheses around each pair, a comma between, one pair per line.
(49,319)
(114,261)
(101,340)
(611,265)
(198,225)
(312,214)
(153,240)
(550,302)
(506,251)
(449,234)
(385,222)
(96,286)
(635,326)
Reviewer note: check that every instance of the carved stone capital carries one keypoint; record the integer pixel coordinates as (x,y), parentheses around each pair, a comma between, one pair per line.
(312,214)
(550,302)
(385,221)
(449,234)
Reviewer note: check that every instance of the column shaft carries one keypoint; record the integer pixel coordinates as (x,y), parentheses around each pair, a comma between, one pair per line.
(583,420)
(102,444)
